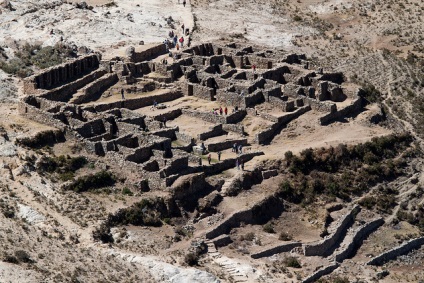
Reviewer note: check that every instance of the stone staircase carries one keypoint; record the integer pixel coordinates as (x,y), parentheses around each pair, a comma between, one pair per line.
(230,268)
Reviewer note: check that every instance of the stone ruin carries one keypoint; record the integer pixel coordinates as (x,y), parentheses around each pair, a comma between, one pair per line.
(77,98)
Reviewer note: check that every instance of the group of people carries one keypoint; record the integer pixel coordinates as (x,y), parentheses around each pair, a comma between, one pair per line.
(220,110)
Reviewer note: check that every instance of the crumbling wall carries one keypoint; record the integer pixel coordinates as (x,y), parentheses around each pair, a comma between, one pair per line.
(267,134)
(324,247)
(320,273)
(361,233)
(398,251)
(354,107)
(283,248)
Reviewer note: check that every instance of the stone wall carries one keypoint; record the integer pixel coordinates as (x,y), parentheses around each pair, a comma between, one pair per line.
(259,213)
(398,251)
(213,131)
(267,134)
(218,146)
(324,247)
(353,108)
(64,92)
(283,248)
(136,103)
(94,90)
(320,273)
(147,54)
(235,128)
(320,106)
(61,74)
(360,234)
(216,119)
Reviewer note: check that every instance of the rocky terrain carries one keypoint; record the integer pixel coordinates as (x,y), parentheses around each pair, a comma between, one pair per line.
(325,98)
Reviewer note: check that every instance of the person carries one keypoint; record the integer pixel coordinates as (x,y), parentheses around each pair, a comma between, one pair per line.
(234,147)
(184,2)
(220,110)
(225,110)
(254,68)
(242,93)
(175,40)
(164,122)
(202,146)
(242,165)
(177,46)
(182,27)
(219,155)
(209,159)
(122,93)
(240,147)
(182,41)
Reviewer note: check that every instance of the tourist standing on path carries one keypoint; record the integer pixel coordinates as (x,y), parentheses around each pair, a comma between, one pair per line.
(164,122)
(220,110)
(182,41)
(209,159)
(184,2)
(122,94)
(182,27)
(219,156)
(240,149)
(254,68)
(175,40)
(226,110)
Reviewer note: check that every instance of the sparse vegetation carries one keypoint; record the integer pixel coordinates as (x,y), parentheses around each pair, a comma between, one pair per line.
(92,181)
(36,55)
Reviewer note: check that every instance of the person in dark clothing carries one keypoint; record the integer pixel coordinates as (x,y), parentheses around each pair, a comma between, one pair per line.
(122,93)
(219,156)
(184,3)
(164,122)
(209,159)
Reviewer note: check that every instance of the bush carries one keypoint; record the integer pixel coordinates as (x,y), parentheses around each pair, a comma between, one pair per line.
(292,262)
(285,237)
(127,191)
(92,181)
(35,55)
(269,228)
(191,259)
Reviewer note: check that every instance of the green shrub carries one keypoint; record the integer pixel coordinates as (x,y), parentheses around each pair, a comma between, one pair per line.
(92,181)
(292,262)
(269,228)
(127,191)
(285,237)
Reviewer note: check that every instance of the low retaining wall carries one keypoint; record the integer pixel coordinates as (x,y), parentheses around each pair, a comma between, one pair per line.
(136,103)
(214,131)
(214,147)
(260,212)
(170,115)
(276,250)
(320,273)
(324,247)
(357,239)
(354,107)
(267,134)
(398,251)
(235,128)
(216,119)
(93,90)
